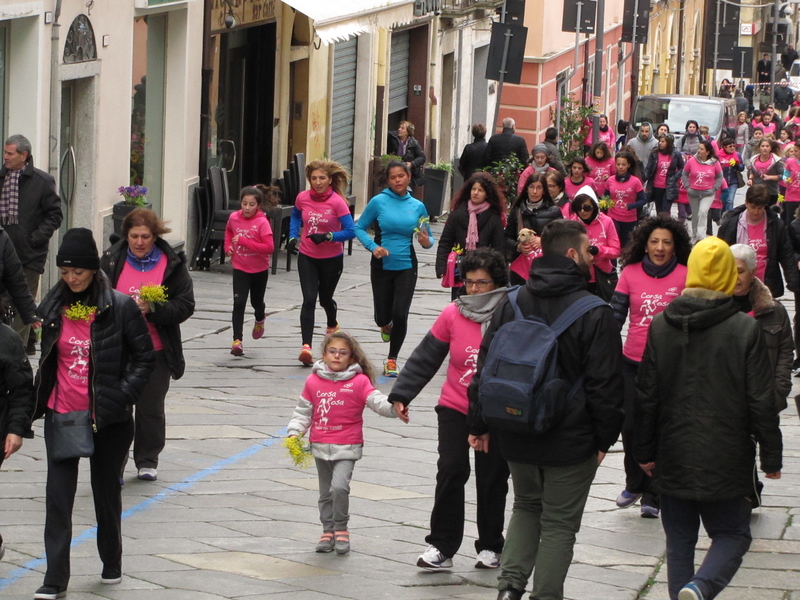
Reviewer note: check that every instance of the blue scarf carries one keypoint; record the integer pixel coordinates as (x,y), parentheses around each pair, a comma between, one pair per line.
(148,262)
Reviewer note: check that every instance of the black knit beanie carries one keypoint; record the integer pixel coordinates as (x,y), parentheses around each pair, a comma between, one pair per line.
(78,250)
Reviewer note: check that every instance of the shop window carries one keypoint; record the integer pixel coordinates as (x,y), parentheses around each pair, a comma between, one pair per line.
(147,116)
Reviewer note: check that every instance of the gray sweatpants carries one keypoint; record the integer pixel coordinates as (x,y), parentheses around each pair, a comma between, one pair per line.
(334,493)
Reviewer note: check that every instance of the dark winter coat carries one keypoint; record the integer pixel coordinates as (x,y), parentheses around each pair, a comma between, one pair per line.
(413,155)
(590,347)
(704,389)
(12,280)
(473,158)
(554,156)
(673,174)
(779,250)
(121,358)
(784,96)
(505,144)
(777,328)
(490,233)
(16,386)
(168,315)
(532,219)
(39,216)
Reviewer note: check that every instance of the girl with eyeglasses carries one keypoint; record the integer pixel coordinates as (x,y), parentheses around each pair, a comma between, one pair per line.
(331,406)
(456,336)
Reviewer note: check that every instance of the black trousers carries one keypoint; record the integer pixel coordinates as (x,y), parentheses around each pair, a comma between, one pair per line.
(491,480)
(392,292)
(636,480)
(318,277)
(151,424)
(254,284)
(111,446)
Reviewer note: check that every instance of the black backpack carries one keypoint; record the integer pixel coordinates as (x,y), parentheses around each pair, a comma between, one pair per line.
(520,386)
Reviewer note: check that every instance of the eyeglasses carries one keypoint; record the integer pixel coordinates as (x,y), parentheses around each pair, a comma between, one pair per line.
(481,283)
(586,208)
(335,351)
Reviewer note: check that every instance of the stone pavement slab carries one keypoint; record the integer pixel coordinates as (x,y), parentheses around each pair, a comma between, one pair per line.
(230,517)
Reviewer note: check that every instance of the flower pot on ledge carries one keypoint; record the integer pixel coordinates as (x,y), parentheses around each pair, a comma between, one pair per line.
(121,211)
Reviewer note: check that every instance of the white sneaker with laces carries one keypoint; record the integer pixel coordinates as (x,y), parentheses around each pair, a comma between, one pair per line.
(487,560)
(433,560)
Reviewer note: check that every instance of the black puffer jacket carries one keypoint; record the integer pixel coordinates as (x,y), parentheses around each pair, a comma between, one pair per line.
(532,219)
(121,357)
(16,386)
(413,154)
(673,174)
(12,280)
(490,233)
(473,158)
(704,387)
(39,216)
(168,315)
(780,254)
(590,347)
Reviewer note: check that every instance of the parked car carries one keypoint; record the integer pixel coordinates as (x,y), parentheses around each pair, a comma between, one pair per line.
(675,110)
(794,76)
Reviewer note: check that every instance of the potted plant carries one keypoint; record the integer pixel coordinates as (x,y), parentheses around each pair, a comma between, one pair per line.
(436,178)
(133,196)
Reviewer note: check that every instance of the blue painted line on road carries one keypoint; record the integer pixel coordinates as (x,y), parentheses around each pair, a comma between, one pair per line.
(91,533)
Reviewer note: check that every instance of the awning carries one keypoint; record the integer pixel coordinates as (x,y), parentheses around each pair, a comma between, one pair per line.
(336,20)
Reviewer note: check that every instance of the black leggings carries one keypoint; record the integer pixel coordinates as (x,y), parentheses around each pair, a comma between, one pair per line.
(392,292)
(254,284)
(659,197)
(318,276)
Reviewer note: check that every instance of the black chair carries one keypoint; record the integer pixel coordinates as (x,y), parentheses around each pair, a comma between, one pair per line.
(217,185)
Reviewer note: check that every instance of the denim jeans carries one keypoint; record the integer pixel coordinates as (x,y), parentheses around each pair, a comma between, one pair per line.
(728,196)
(727,523)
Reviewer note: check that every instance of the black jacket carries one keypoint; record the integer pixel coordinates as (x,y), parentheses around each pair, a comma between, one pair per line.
(704,389)
(121,357)
(473,158)
(39,216)
(590,347)
(532,219)
(673,174)
(413,155)
(779,250)
(16,386)
(168,315)
(784,96)
(490,233)
(505,144)
(12,280)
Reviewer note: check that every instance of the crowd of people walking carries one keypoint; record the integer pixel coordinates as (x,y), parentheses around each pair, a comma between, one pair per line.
(540,252)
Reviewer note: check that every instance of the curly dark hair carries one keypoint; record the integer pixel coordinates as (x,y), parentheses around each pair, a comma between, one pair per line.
(601,145)
(493,194)
(533,177)
(489,260)
(636,248)
(578,160)
(633,170)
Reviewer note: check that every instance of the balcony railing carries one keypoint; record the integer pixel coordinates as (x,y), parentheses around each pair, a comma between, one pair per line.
(452,8)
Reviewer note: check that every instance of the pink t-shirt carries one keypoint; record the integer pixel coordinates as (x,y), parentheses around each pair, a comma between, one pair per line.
(648,297)
(603,234)
(130,283)
(464,337)
(338,408)
(683,195)
(601,171)
(571,188)
(623,193)
(758,242)
(761,167)
(321,217)
(252,253)
(793,182)
(71,391)
(701,175)
(717,202)
(662,168)
(771,128)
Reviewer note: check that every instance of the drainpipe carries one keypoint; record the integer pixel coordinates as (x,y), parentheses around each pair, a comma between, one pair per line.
(55,96)
(433,78)
(679,68)
(205,93)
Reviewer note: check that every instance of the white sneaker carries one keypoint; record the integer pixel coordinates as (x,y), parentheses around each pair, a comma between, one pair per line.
(147,474)
(487,560)
(433,560)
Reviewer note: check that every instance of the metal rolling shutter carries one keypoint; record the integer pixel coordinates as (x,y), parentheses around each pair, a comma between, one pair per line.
(343,102)
(398,72)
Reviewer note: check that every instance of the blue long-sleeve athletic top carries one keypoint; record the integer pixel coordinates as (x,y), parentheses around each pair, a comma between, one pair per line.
(397,217)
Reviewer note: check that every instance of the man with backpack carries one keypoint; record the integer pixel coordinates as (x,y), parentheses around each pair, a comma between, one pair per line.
(554,454)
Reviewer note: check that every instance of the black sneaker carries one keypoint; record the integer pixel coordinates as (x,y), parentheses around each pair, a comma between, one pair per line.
(50,592)
(2,548)
(111,576)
